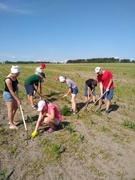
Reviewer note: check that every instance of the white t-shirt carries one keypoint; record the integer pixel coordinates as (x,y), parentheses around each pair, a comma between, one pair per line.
(38,70)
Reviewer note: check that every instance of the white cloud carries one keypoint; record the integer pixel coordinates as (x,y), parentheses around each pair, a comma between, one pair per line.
(3,7)
(13,9)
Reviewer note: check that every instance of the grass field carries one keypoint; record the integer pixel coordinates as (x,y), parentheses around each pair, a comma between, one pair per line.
(89,145)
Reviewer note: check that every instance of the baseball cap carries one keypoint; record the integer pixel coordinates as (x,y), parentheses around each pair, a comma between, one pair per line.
(41,104)
(43,65)
(97,69)
(42,74)
(15,69)
(61,79)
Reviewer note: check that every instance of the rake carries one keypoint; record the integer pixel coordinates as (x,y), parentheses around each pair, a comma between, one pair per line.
(96,101)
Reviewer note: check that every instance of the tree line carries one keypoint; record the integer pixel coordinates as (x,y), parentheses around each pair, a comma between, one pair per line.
(101,60)
(92,60)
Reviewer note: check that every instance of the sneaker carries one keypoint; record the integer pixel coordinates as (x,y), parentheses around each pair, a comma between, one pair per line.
(33,107)
(74,113)
(50,130)
(13,127)
(107,111)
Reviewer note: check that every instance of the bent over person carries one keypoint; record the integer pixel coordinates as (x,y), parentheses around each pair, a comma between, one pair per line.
(38,70)
(29,86)
(89,90)
(72,89)
(49,115)
(10,96)
(105,80)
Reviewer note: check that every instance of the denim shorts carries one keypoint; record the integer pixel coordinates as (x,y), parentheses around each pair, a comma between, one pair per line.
(7,96)
(109,94)
(29,89)
(86,91)
(74,91)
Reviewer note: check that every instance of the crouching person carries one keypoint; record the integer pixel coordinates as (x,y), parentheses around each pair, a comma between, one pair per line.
(49,115)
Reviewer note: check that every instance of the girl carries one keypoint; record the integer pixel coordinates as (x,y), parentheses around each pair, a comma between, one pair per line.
(9,95)
(49,116)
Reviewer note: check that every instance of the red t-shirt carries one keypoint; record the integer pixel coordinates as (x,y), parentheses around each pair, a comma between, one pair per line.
(105,78)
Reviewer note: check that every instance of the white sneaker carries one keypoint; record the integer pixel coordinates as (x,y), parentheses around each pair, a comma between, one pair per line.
(33,107)
(13,127)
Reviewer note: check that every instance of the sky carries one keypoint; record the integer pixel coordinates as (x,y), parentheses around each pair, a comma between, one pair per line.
(59,30)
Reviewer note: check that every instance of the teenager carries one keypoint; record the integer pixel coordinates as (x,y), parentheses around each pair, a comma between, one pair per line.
(49,115)
(10,96)
(105,80)
(72,89)
(29,86)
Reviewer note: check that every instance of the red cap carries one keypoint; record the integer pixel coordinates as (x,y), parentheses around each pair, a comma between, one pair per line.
(43,65)
(57,78)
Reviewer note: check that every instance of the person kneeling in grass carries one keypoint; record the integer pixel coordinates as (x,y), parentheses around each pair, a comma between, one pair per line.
(49,115)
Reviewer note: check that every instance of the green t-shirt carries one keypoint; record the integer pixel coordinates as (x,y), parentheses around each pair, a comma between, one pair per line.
(33,79)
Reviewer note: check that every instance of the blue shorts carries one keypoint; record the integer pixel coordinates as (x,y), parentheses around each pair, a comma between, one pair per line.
(29,89)
(7,96)
(109,94)
(86,91)
(74,91)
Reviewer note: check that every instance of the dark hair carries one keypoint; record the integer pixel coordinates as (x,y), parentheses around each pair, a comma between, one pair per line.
(42,74)
(94,83)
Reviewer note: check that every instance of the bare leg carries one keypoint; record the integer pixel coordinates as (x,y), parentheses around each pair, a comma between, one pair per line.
(86,99)
(51,122)
(100,103)
(94,98)
(73,101)
(30,98)
(108,104)
(12,108)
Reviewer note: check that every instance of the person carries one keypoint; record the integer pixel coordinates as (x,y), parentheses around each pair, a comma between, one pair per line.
(49,115)
(89,89)
(72,88)
(38,70)
(10,96)
(105,80)
(29,86)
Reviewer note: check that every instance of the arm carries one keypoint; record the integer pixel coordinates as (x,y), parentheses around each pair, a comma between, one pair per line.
(40,117)
(69,91)
(89,92)
(40,89)
(101,89)
(109,84)
(9,85)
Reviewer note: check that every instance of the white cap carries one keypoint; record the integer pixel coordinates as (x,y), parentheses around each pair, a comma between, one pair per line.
(15,69)
(97,69)
(62,79)
(41,104)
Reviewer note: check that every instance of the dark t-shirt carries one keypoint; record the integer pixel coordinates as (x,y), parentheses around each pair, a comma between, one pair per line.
(33,79)
(14,85)
(89,83)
